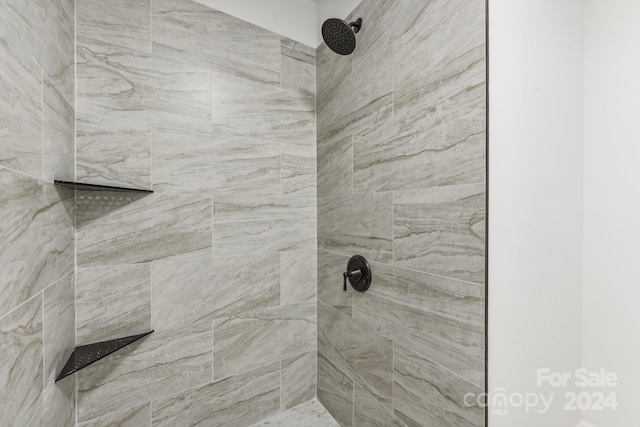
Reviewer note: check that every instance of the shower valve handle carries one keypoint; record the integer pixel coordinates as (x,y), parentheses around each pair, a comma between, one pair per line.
(355,274)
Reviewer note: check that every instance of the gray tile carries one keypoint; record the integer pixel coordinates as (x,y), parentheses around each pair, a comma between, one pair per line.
(438,317)
(330,269)
(244,225)
(298,68)
(299,273)
(188,31)
(112,302)
(451,34)
(364,355)
(125,23)
(424,147)
(117,83)
(164,363)
(298,380)
(58,139)
(36,240)
(236,401)
(59,407)
(331,70)
(254,339)
(441,230)
(335,167)
(113,151)
(298,175)
(220,164)
(195,290)
(426,394)
(368,411)
(154,227)
(362,99)
(59,330)
(308,414)
(21,362)
(335,391)
(139,416)
(359,224)
(20,111)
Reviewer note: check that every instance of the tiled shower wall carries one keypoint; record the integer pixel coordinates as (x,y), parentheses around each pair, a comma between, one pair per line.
(37,311)
(218,117)
(401,181)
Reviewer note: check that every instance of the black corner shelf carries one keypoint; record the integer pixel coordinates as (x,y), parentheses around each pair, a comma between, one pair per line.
(94,187)
(85,355)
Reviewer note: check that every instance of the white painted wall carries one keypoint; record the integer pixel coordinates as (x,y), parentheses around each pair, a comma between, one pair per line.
(611,204)
(535,198)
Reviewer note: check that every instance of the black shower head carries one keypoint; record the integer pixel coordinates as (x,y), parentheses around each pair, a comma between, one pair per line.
(340,35)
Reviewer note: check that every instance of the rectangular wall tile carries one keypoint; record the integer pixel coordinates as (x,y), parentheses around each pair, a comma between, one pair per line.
(298,68)
(424,147)
(308,414)
(299,273)
(335,391)
(59,332)
(187,31)
(298,173)
(298,380)
(426,394)
(236,401)
(451,35)
(195,290)
(364,355)
(125,23)
(368,412)
(139,416)
(330,269)
(59,406)
(21,362)
(244,225)
(359,224)
(335,167)
(441,318)
(141,229)
(58,141)
(331,70)
(113,302)
(36,240)
(164,363)
(441,230)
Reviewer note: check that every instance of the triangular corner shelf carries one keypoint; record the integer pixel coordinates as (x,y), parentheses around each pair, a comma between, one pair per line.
(85,355)
(95,187)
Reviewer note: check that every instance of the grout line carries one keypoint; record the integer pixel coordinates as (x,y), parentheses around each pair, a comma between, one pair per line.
(44,372)
(393,375)
(213,346)
(42,126)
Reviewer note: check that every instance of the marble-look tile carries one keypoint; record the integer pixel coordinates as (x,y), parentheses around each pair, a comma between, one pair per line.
(299,272)
(154,227)
(236,401)
(331,70)
(125,23)
(164,363)
(20,110)
(245,225)
(308,414)
(298,380)
(362,99)
(139,416)
(335,167)
(330,269)
(187,31)
(112,302)
(188,161)
(113,151)
(36,419)
(249,340)
(59,406)
(190,291)
(425,147)
(58,141)
(451,34)
(36,240)
(364,355)
(117,83)
(438,317)
(441,230)
(298,175)
(335,391)
(361,224)
(368,412)
(21,362)
(427,394)
(59,329)
(298,68)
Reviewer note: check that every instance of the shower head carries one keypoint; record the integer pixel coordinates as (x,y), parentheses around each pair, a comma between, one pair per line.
(340,35)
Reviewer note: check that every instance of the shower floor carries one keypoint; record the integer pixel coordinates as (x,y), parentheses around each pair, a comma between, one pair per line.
(309,414)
